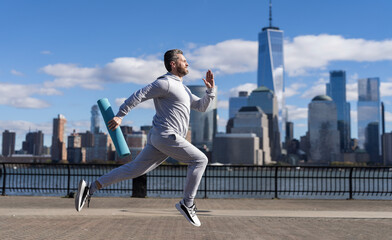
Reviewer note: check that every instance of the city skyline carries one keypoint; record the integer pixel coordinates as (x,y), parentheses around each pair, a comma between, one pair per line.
(61,62)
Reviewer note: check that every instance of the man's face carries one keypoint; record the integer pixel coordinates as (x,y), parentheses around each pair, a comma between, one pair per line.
(181,65)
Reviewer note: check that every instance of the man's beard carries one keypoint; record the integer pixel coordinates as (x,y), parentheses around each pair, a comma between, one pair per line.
(182,71)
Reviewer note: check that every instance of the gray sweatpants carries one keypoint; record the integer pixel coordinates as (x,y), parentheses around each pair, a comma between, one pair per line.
(159,147)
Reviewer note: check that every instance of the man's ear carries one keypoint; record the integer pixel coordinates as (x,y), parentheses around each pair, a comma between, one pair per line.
(173,64)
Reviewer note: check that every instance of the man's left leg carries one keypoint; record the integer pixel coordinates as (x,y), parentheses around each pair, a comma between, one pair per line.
(180,149)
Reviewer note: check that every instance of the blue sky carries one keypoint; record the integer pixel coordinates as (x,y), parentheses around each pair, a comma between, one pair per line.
(60,57)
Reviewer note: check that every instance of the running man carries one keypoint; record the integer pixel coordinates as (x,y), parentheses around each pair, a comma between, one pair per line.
(173,102)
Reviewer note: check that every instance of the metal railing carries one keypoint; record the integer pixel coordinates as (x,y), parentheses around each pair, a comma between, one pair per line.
(218,181)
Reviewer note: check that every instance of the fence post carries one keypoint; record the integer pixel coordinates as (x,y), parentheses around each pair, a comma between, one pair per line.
(4,178)
(350,184)
(276,182)
(139,186)
(205,183)
(69,181)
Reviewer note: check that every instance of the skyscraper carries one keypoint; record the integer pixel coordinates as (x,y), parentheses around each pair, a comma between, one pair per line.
(203,124)
(8,145)
(267,101)
(94,119)
(271,67)
(336,89)
(236,103)
(369,112)
(34,143)
(75,152)
(323,131)
(58,150)
(252,119)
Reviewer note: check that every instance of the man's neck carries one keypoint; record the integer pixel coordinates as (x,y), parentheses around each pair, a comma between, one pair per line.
(177,75)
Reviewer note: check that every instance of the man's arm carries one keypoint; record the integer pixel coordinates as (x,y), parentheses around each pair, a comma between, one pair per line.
(156,89)
(201,104)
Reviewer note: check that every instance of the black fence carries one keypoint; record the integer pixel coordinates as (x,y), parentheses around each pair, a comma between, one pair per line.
(218,181)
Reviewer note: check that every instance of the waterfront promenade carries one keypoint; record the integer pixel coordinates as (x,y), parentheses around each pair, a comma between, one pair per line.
(23,217)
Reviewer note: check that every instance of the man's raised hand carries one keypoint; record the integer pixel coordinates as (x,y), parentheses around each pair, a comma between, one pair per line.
(209,80)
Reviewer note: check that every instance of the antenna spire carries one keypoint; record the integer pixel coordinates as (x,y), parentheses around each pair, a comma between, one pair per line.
(270,13)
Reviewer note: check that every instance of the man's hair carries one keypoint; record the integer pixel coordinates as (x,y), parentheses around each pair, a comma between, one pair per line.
(170,56)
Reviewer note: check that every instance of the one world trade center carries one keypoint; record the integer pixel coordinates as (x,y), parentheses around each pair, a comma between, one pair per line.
(271,67)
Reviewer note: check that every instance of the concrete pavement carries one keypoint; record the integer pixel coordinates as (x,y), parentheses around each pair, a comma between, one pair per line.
(24,217)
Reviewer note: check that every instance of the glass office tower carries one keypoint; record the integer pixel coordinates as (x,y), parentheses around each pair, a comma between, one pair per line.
(94,128)
(336,89)
(271,68)
(236,103)
(369,114)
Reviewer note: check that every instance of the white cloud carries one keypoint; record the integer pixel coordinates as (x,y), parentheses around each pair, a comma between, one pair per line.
(222,122)
(21,127)
(125,70)
(352,91)
(227,57)
(303,53)
(354,116)
(20,96)
(46,52)
(318,88)
(386,89)
(296,113)
(247,87)
(388,116)
(16,73)
(70,75)
(223,104)
(292,90)
(317,51)
(133,70)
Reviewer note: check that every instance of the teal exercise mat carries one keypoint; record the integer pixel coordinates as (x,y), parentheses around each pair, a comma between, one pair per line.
(116,135)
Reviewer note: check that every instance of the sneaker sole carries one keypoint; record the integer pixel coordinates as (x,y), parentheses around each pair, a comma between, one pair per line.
(82,185)
(178,206)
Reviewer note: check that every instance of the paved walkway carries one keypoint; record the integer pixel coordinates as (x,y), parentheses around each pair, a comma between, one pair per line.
(156,218)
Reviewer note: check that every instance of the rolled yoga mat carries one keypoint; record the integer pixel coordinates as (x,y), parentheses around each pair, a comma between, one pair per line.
(116,135)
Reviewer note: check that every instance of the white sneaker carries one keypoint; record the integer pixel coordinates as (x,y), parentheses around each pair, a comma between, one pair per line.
(189,213)
(82,196)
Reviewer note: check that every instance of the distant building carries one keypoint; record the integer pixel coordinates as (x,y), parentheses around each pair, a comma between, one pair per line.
(304,144)
(252,119)
(372,142)
(75,152)
(94,128)
(267,101)
(289,134)
(58,150)
(8,144)
(34,143)
(236,103)
(387,154)
(136,143)
(336,89)
(238,148)
(203,124)
(87,139)
(146,128)
(103,149)
(368,110)
(324,138)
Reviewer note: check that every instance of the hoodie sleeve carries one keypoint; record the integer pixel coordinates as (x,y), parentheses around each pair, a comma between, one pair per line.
(158,88)
(201,104)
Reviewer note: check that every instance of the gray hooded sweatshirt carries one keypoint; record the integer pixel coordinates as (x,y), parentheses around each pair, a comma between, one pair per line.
(173,102)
